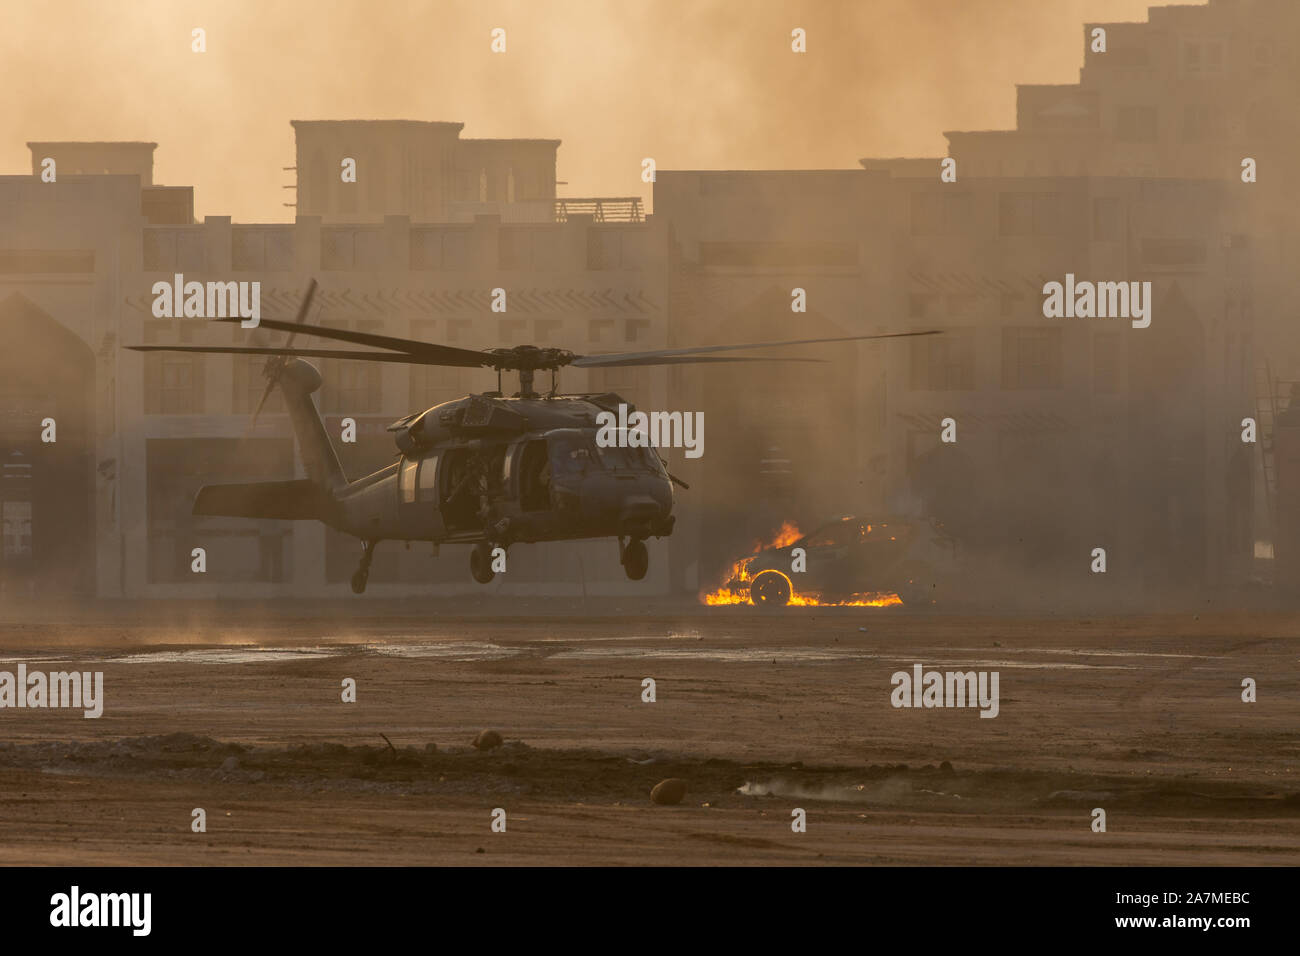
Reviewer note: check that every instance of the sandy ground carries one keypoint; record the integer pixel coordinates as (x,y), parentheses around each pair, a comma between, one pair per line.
(237,709)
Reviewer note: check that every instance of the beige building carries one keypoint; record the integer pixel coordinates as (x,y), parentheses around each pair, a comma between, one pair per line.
(1072,433)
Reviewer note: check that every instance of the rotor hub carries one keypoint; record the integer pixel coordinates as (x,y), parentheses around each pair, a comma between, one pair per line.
(529,358)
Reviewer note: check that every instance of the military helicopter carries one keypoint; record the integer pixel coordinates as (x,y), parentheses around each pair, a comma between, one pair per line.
(486,469)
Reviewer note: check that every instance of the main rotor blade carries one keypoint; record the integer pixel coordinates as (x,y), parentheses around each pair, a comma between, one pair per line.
(626,361)
(651,358)
(447,355)
(401,358)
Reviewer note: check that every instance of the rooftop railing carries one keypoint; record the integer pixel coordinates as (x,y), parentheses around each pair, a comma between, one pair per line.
(618,209)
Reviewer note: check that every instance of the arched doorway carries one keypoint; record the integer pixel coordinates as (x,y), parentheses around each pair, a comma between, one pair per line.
(46,489)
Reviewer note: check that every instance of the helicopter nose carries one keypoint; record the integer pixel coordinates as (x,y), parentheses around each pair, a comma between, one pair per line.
(645,507)
(637,508)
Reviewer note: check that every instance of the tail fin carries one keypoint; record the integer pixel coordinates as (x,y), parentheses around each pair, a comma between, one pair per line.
(303,499)
(297,380)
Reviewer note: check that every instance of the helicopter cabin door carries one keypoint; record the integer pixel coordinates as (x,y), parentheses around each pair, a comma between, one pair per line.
(534,476)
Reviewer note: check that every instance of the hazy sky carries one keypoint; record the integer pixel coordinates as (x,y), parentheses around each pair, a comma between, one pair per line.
(697,84)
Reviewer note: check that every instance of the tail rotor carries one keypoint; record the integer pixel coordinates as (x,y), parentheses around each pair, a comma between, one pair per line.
(275,365)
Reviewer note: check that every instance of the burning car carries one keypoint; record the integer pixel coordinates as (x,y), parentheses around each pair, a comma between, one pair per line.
(852,561)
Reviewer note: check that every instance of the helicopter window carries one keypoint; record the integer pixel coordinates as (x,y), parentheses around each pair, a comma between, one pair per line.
(632,459)
(407,480)
(427,480)
(572,456)
(534,477)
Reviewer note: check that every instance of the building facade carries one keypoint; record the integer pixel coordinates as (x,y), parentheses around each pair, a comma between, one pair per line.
(1071,434)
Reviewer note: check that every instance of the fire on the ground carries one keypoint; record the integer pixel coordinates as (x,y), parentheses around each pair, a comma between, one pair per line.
(844,558)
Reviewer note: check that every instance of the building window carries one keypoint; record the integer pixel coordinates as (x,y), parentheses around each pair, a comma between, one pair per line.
(1127,56)
(455,250)
(604,248)
(433,384)
(547,331)
(351,388)
(426,249)
(941,213)
(514,248)
(1031,357)
(943,363)
(512,331)
(369,249)
(1107,219)
(1199,123)
(159,250)
(247,250)
(1136,124)
(173,381)
(337,249)
(1202,56)
(1030,214)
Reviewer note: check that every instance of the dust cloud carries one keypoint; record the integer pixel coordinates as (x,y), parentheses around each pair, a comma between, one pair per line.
(696,85)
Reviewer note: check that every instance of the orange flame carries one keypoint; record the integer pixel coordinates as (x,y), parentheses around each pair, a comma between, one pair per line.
(787,535)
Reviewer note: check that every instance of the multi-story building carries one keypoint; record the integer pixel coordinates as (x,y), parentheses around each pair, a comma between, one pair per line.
(1072,434)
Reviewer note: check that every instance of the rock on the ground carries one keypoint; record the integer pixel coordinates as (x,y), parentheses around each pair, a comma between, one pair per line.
(668,792)
(487,739)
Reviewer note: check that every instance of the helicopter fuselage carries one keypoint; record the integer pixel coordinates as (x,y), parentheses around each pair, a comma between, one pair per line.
(546,484)
(483,470)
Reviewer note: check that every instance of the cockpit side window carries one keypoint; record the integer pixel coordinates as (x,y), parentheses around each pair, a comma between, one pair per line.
(572,455)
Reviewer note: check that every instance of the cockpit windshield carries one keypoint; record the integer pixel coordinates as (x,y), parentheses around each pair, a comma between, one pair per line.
(576,453)
(629,459)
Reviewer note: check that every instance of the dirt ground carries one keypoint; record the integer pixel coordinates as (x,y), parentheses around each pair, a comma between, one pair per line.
(237,709)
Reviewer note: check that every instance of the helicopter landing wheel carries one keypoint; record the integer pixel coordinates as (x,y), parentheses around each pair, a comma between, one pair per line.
(636,560)
(480,563)
(362,574)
